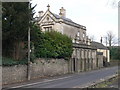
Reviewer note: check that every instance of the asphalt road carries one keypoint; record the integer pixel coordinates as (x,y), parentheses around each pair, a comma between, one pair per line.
(74,80)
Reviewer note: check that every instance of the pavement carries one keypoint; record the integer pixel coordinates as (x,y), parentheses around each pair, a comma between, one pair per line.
(77,80)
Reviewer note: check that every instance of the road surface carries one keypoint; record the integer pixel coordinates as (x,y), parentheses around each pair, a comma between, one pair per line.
(73,80)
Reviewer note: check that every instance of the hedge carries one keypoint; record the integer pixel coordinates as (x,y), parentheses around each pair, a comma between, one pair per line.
(11,62)
(53,45)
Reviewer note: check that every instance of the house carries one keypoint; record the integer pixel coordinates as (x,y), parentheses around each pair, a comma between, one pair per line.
(49,21)
(101,48)
(84,55)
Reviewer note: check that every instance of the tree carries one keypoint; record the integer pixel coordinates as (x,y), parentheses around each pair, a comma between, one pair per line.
(53,45)
(15,22)
(111,38)
(113,3)
(115,52)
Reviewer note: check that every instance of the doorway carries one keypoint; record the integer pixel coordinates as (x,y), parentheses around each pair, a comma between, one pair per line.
(74,66)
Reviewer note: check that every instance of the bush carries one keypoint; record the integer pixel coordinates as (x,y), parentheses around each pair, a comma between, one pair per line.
(11,62)
(53,45)
(115,53)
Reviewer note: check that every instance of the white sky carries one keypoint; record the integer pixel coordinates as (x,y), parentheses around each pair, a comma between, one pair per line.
(97,15)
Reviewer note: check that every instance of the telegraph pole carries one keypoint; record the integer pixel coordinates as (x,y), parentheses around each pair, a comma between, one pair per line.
(28,65)
(28,54)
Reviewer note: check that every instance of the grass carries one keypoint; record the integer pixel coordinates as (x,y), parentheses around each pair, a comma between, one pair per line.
(103,85)
(106,84)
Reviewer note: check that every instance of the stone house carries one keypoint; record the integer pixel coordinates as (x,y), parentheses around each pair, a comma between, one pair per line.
(85,54)
(101,48)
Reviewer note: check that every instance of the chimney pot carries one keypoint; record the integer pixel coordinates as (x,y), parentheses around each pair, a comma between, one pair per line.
(62,12)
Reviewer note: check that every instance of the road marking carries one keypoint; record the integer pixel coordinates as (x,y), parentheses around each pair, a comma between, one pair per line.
(40,82)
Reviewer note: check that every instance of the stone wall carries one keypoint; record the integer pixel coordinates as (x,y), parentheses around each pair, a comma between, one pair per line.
(84,59)
(51,67)
(99,61)
(12,74)
(41,68)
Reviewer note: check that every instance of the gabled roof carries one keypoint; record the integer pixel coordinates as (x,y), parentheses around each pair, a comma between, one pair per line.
(98,45)
(65,20)
(68,21)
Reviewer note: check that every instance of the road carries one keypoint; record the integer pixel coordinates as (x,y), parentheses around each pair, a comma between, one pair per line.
(73,80)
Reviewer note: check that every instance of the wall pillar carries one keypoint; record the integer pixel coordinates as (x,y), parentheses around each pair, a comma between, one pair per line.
(80,59)
(70,65)
(87,59)
(95,54)
(90,60)
(84,60)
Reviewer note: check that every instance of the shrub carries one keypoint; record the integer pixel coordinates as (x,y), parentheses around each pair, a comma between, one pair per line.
(11,62)
(53,45)
(115,53)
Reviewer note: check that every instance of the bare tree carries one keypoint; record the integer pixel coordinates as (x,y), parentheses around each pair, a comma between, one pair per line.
(113,3)
(111,38)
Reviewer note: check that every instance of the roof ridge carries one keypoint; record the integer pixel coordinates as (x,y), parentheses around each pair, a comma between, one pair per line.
(68,20)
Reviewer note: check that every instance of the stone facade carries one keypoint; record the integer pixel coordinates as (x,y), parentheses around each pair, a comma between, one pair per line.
(99,59)
(101,48)
(106,53)
(50,21)
(13,74)
(84,55)
(41,68)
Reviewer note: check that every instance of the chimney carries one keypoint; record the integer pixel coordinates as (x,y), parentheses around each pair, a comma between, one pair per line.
(101,40)
(62,12)
(40,13)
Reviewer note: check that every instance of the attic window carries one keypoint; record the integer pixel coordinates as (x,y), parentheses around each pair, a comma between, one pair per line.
(47,18)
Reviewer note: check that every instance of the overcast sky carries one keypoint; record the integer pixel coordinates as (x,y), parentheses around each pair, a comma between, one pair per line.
(99,16)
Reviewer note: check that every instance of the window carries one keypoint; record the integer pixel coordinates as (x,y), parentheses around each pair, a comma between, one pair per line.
(84,35)
(73,40)
(78,34)
(47,18)
(48,29)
